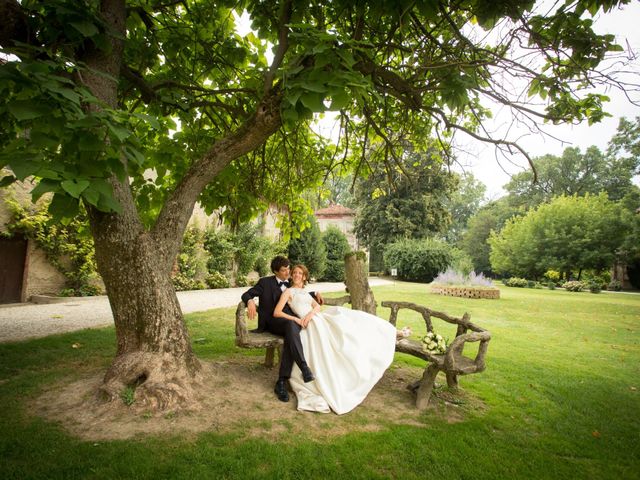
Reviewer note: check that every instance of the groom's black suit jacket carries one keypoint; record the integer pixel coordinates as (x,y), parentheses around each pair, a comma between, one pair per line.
(268,292)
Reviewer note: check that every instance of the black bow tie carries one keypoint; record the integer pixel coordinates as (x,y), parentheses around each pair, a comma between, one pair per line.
(282,283)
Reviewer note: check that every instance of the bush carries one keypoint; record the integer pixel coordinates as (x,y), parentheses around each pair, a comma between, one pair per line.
(517,282)
(309,250)
(614,285)
(217,280)
(418,260)
(552,276)
(531,284)
(594,286)
(337,246)
(573,286)
(242,281)
(551,285)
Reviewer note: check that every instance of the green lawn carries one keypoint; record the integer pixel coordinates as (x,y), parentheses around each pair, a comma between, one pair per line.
(561,398)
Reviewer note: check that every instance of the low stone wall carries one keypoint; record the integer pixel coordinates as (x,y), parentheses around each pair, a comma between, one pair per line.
(466,292)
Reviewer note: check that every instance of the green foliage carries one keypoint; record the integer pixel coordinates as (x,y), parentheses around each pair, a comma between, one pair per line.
(490,217)
(309,249)
(418,260)
(569,233)
(217,280)
(463,204)
(336,246)
(406,201)
(614,285)
(68,247)
(572,173)
(128,396)
(191,262)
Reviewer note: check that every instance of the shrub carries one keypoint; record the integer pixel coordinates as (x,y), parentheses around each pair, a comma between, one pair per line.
(594,286)
(552,276)
(573,286)
(614,285)
(517,282)
(418,260)
(242,281)
(217,280)
(531,284)
(309,250)
(551,285)
(337,246)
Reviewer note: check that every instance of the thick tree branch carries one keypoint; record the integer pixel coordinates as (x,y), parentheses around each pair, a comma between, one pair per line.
(177,209)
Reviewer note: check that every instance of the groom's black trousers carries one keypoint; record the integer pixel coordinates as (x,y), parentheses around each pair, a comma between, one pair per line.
(292,349)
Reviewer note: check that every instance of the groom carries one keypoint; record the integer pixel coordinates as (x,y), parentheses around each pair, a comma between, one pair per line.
(268,290)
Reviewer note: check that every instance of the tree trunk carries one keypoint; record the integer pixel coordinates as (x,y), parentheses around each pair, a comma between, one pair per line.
(357,281)
(154,354)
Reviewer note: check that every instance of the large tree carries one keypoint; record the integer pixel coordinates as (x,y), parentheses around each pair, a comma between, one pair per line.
(572,173)
(568,234)
(98,92)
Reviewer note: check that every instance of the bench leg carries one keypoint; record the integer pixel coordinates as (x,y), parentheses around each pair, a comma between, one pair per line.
(268,357)
(426,386)
(452,381)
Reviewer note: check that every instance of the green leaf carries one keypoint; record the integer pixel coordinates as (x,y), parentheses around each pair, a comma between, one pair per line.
(339,100)
(120,132)
(313,101)
(87,29)
(63,207)
(74,187)
(44,186)
(92,196)
(27,109)
(109,204)
(22,169)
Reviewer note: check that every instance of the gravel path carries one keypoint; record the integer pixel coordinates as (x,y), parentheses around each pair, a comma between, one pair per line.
(26,320)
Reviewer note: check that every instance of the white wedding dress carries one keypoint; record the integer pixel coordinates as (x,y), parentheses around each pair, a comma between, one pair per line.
(347,350)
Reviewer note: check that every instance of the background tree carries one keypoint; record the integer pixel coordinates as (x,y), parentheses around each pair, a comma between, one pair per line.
(309,249)
(568,234)
(463,203)
(474,242)
(336,246)
(572,173)
(109,89)
(406,201)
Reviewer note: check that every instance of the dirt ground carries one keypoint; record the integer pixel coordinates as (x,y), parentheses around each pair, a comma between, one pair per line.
(238,398)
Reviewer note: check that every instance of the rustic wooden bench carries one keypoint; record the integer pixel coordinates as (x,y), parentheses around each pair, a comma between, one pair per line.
(452,362)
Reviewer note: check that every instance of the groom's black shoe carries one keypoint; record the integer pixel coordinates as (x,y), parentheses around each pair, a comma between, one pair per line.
(281,390)
(307,375)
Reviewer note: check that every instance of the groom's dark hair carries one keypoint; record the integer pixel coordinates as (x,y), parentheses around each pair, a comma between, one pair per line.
(279,262)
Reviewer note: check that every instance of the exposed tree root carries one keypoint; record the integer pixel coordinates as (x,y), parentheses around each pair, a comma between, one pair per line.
(158,381)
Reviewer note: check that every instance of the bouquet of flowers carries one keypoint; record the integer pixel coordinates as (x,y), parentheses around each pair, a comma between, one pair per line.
(434,343)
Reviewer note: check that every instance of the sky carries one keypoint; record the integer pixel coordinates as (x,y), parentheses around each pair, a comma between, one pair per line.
(480,159)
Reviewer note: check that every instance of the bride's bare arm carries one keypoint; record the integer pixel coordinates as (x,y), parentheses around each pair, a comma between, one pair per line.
(279,312)
(309,316)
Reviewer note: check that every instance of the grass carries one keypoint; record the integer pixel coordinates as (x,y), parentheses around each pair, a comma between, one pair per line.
(561,395)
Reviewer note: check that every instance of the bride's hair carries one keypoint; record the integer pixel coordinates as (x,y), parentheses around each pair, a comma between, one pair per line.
(305,273)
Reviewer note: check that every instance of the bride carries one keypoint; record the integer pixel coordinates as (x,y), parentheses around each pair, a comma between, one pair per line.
(347,350)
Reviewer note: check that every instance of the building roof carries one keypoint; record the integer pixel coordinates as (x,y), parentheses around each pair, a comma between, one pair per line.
(335,210)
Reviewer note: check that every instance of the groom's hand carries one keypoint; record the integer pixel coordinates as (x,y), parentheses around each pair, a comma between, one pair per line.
(319,298)
(251,309)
